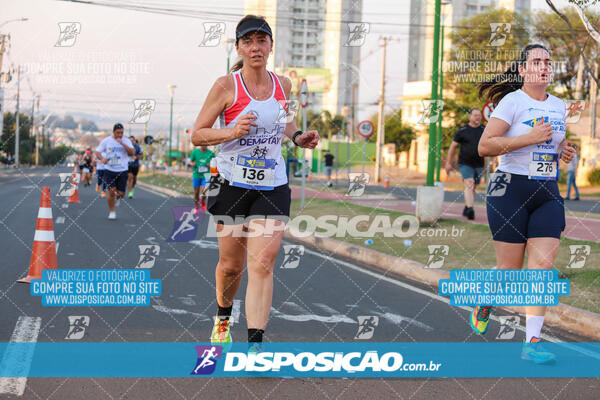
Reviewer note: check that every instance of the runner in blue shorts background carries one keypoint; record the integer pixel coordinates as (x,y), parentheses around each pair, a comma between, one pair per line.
(524,207)
(201,157)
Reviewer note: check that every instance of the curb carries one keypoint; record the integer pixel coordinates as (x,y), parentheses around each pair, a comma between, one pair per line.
(566,317)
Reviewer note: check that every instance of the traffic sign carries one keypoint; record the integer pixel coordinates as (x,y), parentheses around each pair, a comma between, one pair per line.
(487,110)
(304,93)
(365,128)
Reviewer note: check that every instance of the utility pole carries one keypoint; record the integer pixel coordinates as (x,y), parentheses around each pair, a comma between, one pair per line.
(2,49)
(579,82)
(33,127)
(380,122)
(145,144)
(17,117)
(593,99)
(172,93)
(352,111)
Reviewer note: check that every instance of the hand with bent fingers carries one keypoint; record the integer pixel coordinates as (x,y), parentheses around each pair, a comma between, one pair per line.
(243,125)
(568,153)
(541,133)
(308,139)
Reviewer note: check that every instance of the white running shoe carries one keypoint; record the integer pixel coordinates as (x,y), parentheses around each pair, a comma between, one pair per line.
(117,202)
(112,215)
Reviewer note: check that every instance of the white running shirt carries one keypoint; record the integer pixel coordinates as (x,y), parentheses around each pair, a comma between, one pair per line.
(115,153)
(522,113)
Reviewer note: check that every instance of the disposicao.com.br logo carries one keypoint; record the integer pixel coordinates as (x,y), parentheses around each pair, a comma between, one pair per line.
(369,361)
(312,360)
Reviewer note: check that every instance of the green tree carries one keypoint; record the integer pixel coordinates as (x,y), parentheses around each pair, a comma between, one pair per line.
(473,58)
(7,140)
(55,155)
(395,132)
(326,124)
(551,30)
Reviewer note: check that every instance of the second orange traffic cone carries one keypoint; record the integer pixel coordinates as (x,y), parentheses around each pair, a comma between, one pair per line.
(74,197)
(43,254)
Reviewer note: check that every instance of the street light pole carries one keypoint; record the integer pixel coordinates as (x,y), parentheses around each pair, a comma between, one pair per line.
(178,133)
(171,93)
(438,160)
(434,94)
(380,117)
(17,117)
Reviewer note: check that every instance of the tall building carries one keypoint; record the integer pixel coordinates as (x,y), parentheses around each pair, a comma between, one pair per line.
(311,40)
(421,27)
(420,60)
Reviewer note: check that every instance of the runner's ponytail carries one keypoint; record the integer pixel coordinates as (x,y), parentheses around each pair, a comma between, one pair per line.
(509,81)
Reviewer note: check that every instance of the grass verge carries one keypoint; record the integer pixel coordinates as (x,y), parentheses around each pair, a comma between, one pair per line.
(470,246)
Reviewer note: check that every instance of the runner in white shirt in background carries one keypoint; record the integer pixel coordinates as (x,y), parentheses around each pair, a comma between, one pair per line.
(116,150)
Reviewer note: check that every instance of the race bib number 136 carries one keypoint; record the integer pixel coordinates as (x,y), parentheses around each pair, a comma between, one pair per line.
(253,173)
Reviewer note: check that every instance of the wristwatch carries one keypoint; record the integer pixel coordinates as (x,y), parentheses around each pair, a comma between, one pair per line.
(297,133)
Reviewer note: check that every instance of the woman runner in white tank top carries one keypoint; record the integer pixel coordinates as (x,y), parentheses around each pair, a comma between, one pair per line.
(252,105)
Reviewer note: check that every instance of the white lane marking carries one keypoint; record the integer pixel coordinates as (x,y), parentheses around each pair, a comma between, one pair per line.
(60,220)
(26,330)
(152,240)
(65,205)
(187,301)
(177,311)
(399,319)
(235,312)
(205,244)
(28,187)
(56,247)
(303,315)
(173,259)
(153,192)
(549,338)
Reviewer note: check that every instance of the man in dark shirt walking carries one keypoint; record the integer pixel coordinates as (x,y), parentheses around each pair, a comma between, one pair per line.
(328,157)
(470,163)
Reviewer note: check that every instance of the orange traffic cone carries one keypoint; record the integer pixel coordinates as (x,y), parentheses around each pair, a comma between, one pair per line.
(74,197)
(386,181)
(43,254)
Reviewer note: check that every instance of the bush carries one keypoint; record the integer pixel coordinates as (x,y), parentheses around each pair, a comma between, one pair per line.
(594,177)
(55,155)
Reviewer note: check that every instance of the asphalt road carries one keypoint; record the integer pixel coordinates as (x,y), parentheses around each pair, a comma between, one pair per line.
(319,300)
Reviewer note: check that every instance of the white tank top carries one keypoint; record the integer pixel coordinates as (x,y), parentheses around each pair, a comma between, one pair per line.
(264,140)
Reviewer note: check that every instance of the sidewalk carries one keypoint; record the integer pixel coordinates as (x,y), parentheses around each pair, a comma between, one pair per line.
(577,227)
